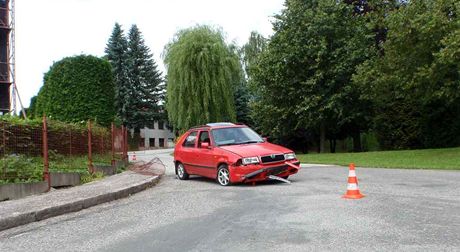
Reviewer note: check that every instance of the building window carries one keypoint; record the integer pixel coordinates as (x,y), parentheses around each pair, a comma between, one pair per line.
(142,142)
(161,125)
(162,142)
(152,142)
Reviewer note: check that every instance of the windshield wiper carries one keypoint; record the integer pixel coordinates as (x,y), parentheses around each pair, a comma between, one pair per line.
(248,142)
(228,144)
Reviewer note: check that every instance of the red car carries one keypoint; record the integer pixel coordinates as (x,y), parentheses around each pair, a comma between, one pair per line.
(231,153)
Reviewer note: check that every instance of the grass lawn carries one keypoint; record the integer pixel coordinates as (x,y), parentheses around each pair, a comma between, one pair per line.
(445,159)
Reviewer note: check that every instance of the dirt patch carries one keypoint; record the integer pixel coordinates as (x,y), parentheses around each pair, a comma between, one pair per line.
(154,167)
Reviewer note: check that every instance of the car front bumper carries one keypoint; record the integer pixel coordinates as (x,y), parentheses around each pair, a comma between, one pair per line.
(253,173)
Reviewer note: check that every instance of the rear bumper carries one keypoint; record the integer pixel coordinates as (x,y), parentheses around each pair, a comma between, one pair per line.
(253,173)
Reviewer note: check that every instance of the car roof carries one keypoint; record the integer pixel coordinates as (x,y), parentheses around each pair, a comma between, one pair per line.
(218,125)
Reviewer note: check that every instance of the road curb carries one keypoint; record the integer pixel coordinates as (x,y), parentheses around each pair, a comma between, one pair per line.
(19,219)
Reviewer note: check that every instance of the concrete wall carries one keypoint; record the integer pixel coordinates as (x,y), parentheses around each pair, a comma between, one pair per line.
(107,170)
(16,191)
(157,133)
(59,179)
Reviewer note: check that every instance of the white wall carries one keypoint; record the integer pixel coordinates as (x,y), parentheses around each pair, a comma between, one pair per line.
(156,133)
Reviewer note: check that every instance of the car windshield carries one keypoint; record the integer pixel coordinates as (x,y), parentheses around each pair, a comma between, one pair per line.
(236,135)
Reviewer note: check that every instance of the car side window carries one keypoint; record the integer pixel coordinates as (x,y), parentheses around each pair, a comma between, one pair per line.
(190,140)
(204,137)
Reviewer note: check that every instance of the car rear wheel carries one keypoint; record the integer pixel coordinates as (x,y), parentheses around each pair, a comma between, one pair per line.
(223,175)
(181,172)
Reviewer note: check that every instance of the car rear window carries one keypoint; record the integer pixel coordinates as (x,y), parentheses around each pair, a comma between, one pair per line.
(190,140)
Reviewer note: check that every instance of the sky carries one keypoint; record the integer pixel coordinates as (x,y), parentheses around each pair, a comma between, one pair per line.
(48,30)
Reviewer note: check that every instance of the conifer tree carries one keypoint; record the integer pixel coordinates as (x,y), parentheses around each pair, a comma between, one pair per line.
(146,84)
(116,53)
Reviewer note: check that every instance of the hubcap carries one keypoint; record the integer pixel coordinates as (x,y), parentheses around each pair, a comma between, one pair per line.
(223,177)
(180,171)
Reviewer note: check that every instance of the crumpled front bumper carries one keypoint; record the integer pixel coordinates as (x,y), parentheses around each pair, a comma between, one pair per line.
(259,172)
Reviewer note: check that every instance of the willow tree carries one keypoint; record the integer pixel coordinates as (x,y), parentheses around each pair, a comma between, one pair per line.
(202,74)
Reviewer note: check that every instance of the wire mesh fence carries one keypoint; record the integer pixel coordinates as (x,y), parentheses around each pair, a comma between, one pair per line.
(30,151)
(20,153)
(66,145)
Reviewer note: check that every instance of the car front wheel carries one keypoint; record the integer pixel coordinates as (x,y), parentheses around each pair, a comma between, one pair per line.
(223,175)
(180,171)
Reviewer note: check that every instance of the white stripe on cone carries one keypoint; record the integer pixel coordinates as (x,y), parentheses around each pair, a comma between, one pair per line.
(352,173)
(352,187)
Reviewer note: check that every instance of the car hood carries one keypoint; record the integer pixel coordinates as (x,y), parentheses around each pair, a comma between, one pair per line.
(255,149)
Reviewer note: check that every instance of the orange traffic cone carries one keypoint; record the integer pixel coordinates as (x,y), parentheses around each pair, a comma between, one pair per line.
(352,189)
(134,156)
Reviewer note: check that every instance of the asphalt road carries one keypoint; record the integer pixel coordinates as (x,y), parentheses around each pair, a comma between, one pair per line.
(410,210)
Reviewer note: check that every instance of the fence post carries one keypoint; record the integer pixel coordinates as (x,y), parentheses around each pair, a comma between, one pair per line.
(90,157)
(113,144)
(125,144)
(46,173)
(4,149)
(122,142)
(70,149)
(102,144)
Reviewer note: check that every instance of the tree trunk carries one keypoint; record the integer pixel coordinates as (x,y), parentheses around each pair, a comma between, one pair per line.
(357,141)
(322,138)
(332,145)
(305,147)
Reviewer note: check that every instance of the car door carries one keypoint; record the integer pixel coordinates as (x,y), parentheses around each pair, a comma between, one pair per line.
(189,155)
(205,156)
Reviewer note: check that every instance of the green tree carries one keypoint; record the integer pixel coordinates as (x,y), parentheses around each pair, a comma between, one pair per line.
(304,74)
(116,53)
(251,50)
(202,72)
(146,89)
(242,99)
(78,88)
(246,92)
(415,84)
(31,111)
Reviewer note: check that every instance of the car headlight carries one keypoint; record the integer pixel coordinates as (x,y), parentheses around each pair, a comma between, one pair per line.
(250,160)
(289,156)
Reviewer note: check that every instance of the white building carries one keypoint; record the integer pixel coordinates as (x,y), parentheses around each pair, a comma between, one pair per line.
(157,137)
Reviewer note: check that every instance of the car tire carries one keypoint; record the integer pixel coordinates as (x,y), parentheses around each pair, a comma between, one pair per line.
(223,175)
(181,172)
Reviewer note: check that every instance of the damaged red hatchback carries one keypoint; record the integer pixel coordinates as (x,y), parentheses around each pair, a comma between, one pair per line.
(231,153)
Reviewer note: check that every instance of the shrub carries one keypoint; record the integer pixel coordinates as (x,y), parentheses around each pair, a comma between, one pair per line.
(77,89)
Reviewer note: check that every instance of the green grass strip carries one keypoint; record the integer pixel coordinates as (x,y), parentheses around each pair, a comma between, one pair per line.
(442,159)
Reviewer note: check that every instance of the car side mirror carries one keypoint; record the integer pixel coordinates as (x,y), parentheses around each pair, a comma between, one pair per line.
(265,139)
(205,145)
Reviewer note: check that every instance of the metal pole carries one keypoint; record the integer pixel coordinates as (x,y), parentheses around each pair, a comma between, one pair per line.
(70,137)
(122,142)
(125,144)
(46,173)
(113,144)
(90,158)
(102,144)
(4,148)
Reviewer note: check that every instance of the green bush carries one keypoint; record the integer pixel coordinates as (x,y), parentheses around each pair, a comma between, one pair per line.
(77,89)
(20,169)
